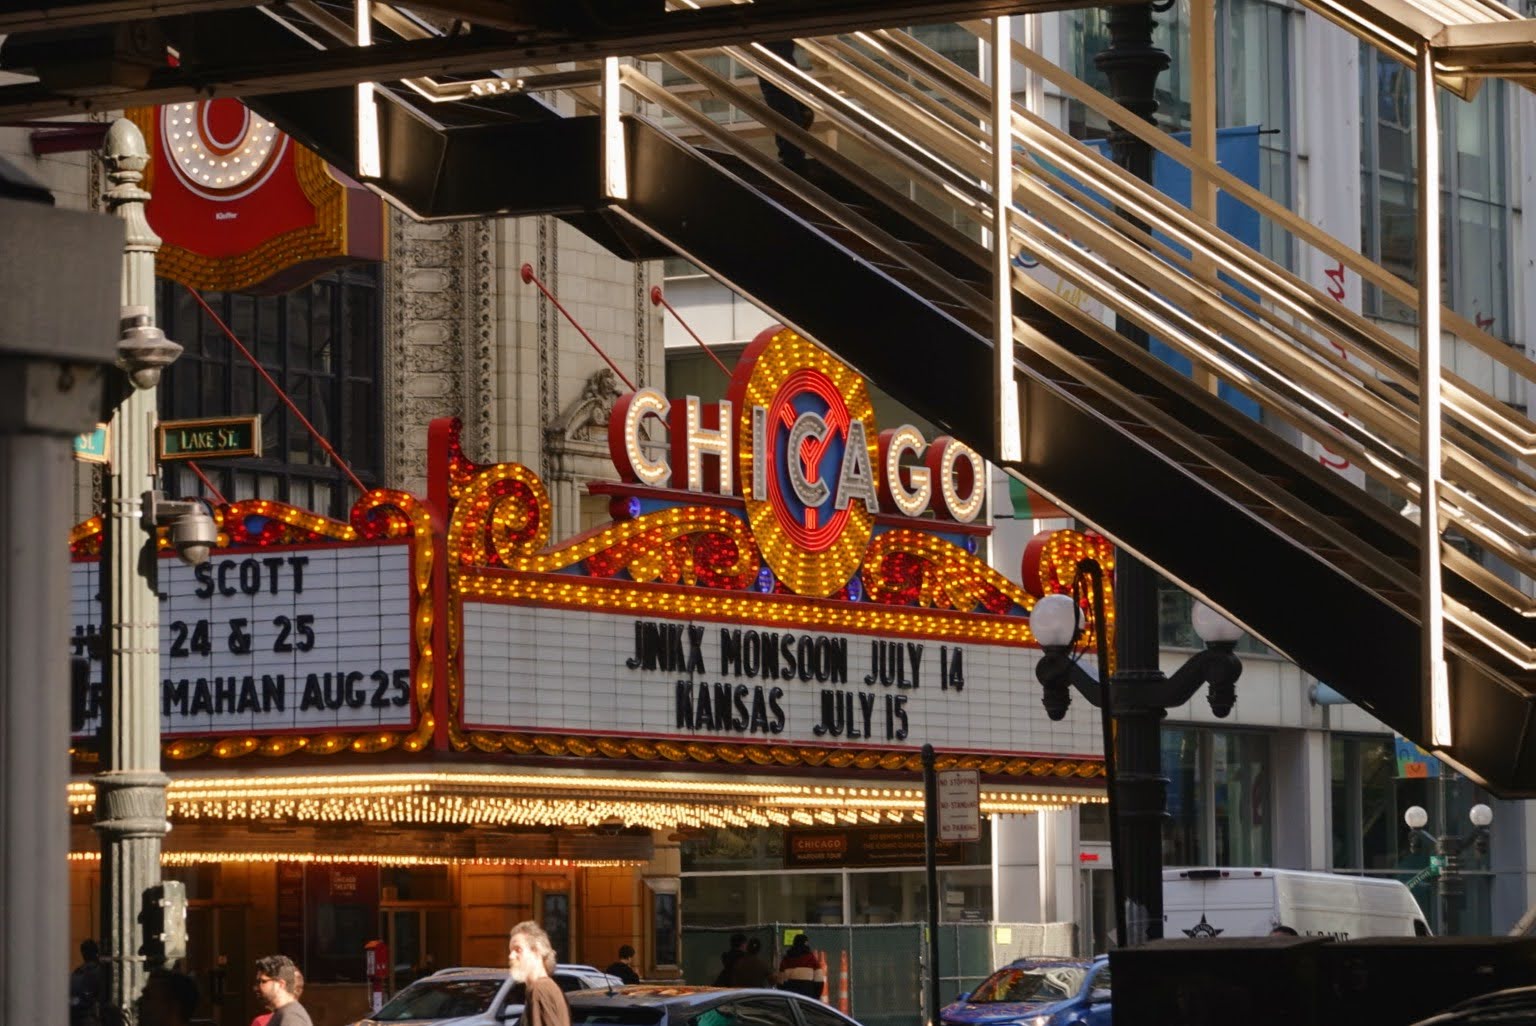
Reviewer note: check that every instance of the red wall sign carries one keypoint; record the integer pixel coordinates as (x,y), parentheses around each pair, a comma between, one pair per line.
(239,206)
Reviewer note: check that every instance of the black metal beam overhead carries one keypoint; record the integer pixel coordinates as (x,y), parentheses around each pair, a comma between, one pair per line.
(565,31)
(29,16)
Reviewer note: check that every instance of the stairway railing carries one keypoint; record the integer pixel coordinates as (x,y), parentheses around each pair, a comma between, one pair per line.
(912,129)
(895,111)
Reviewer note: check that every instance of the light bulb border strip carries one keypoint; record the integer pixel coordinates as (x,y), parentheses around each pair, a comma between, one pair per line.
(197,858)
(527,800)
(776,756)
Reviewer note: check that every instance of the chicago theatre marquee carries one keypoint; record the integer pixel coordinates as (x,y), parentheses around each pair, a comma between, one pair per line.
(434,719)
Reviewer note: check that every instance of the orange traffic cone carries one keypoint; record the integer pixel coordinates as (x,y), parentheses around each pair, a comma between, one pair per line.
(842,983)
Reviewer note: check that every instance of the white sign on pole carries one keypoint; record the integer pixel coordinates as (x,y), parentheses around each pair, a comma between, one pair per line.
(959,805)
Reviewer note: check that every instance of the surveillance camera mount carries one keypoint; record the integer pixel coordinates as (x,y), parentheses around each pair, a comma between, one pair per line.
(192,527)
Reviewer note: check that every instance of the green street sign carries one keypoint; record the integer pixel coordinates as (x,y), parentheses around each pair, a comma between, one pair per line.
(93,446)
(210,438)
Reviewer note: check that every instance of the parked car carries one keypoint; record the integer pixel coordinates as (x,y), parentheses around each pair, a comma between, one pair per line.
(476,996)
(661,1005)
(1038,992)
(1500,1008)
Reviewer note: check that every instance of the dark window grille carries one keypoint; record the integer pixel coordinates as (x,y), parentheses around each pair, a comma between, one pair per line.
(322,343)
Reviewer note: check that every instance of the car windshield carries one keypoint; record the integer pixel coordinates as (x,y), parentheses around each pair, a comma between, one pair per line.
(440,999)
(1030,983)
(608,1016)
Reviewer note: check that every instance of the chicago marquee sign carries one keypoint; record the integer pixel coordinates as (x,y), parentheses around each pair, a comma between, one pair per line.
(780,574)
(782,583)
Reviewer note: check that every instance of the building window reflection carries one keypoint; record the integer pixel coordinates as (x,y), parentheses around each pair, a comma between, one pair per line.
(1475,199)
(1220,797)
(861,875)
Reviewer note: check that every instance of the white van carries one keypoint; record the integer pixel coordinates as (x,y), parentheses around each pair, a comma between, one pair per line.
(1252,901)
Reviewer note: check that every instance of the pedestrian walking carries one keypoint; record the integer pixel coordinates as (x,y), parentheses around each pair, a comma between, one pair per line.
(622,968)
(752,969)
(87,987)
(801,971)
(728,958)
(277,984)
(781,102)
(530,959)
(298,991)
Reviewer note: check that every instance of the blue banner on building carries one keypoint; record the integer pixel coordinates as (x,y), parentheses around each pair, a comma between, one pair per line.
(1237,151)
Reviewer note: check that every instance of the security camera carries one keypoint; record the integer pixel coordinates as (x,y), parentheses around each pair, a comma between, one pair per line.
(191,527)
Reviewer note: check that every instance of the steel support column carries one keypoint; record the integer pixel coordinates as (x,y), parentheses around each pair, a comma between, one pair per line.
(1132,64)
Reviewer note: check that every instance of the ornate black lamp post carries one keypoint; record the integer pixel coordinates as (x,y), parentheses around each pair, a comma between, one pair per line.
(1135,698)
(1445,851)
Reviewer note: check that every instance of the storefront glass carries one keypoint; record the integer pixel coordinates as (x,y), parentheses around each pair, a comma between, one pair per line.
(736,900)
(1219,798)
(1241,785)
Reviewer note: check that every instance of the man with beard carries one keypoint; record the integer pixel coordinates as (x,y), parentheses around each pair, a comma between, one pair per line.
(531,958)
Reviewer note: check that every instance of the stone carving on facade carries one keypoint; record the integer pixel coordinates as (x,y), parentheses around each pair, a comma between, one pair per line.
(438,340)
(576,447)
(586,419)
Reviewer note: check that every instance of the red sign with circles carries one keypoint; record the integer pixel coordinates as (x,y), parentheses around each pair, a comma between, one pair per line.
(239,206)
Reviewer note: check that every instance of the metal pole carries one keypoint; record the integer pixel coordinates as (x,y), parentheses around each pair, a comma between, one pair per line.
(130,791)
(931,869)
(1091,569)
(1006,389)
(1431,600)
(1132,64)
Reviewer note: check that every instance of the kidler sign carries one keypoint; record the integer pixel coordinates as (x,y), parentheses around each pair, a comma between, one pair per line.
(781,572)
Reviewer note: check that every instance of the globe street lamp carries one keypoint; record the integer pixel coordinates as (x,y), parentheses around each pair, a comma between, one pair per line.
(1445,853)
(1135,700)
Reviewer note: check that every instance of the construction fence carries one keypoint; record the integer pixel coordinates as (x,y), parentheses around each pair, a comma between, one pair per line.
(878,973)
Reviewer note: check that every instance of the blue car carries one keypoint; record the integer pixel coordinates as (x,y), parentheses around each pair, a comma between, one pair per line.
(1038,992)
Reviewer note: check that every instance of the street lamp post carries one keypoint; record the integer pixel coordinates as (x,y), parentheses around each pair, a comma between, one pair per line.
(130,789)
(1136,697)
(1445,858)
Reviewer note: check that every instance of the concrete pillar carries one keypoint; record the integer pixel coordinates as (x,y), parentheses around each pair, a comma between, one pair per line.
(58,294)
